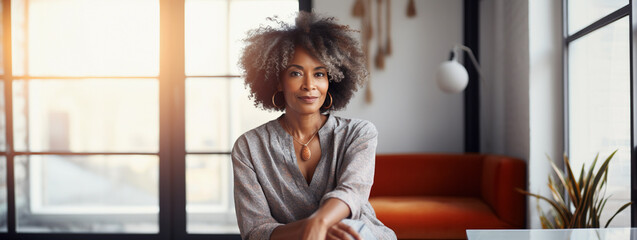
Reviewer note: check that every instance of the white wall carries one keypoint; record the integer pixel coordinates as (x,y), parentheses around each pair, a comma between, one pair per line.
(504,44)
(409,111)
(546,94)
(521,56)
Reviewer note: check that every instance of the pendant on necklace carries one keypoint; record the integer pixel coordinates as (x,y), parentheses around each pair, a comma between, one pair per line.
(305,153)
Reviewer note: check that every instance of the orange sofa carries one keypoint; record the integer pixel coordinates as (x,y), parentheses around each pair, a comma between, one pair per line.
(439,196)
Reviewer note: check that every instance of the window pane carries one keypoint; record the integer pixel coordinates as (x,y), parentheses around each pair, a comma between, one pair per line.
(206,41)
(90,115)
(582,13)
(215,28)
(599,109)
(246,116)
(207,109)
(3,194)
(85,37)
(218,111)
(115,194)
(210,205)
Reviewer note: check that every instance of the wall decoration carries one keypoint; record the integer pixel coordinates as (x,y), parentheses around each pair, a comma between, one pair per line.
(363,9)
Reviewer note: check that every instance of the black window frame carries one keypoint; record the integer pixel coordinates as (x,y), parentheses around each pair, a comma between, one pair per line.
(626,11)
(172,151)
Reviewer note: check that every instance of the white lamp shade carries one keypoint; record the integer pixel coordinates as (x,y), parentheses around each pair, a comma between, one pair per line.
(452,77)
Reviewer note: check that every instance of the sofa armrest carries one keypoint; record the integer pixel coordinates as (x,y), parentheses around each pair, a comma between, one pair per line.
(501,175)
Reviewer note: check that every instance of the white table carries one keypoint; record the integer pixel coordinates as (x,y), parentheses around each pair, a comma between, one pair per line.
(557,234)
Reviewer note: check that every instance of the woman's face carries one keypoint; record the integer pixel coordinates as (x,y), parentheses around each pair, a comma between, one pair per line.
(304,83)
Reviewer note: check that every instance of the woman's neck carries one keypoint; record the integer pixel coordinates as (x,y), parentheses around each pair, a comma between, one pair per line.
(303,126)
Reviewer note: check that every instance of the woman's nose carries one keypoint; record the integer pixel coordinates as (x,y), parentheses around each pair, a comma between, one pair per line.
(308,83)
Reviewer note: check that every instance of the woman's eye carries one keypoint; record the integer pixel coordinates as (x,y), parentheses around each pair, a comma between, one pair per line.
(319,74)
(295,74)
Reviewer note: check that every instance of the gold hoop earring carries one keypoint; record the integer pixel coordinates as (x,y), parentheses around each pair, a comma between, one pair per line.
(273,102)
(329,106)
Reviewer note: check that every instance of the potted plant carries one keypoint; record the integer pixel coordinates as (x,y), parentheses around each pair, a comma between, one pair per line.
(576,203)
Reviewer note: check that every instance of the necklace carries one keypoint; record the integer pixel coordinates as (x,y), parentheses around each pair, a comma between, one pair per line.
(305,150)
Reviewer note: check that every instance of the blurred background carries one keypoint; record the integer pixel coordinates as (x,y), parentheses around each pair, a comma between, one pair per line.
(118,116)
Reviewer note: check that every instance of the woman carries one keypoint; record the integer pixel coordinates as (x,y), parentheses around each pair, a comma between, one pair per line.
(307,174)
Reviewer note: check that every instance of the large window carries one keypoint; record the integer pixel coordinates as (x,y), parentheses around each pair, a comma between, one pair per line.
(218,110)
(116,120)
(599,92)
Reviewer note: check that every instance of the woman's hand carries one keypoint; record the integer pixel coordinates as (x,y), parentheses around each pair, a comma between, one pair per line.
(342,231)
(314,229)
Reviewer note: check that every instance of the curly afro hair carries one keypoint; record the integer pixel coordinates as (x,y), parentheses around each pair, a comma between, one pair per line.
(268,51)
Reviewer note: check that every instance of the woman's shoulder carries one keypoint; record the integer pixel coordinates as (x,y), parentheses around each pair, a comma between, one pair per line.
(260,133)
(354,125)
(266,127)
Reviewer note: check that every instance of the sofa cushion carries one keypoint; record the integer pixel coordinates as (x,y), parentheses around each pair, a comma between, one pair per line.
(413,217)
(456,175)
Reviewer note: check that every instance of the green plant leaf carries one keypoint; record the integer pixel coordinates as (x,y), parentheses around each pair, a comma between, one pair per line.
(562,212)
(601,206)
(573,187)
(571,192)
(618,211)
(601,201)
(546,223)
(593,219)
(590,191)
(587,178)
(557,196)
(581,177)
(559,223)
(586,199)
(579,219)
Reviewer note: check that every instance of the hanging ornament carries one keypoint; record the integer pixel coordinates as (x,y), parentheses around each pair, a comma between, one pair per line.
(388,27)
(411,9)
(358,10)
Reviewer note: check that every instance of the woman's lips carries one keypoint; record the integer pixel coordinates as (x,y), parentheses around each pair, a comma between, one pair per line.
(308,99)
